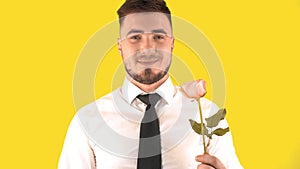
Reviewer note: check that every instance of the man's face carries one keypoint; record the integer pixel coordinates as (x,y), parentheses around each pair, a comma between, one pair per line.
(146,45)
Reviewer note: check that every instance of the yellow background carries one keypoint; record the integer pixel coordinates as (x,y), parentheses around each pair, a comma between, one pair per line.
(257,41)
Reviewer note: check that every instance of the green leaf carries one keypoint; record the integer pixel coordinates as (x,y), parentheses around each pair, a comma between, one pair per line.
(220,131)
(214,120)
(197,127)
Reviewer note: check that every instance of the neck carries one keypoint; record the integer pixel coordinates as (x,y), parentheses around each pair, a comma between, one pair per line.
(149,87)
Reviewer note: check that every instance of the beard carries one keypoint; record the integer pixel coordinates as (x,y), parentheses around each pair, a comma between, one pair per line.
(148,74)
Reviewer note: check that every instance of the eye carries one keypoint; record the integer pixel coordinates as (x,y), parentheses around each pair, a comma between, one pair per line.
(159,36)
(135,37)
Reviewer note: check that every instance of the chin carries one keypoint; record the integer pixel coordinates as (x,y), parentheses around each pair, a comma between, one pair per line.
(148,76)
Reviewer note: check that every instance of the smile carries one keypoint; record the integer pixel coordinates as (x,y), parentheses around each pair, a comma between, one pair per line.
(147,62)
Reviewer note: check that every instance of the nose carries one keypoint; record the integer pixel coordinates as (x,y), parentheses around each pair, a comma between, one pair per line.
(147,42)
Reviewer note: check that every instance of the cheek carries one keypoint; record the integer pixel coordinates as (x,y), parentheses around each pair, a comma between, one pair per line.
(166,61)
(128,51)
(130,62)
(166,53)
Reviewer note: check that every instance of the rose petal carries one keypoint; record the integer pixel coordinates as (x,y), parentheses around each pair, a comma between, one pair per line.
(194,89)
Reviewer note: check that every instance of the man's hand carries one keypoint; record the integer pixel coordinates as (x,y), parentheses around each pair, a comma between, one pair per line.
(209,162)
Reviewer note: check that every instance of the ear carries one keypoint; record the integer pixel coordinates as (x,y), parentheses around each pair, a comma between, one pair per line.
(172,43)
(120,47)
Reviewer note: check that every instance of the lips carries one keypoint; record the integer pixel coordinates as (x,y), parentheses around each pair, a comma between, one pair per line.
(147,61)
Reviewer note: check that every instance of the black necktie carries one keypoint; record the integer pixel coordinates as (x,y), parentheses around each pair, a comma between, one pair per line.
(149,146)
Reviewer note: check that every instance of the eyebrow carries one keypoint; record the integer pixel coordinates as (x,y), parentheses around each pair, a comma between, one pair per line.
(159,31)
(141,31)
(134,31)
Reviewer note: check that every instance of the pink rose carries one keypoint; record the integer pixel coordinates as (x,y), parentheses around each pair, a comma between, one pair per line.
(194,89)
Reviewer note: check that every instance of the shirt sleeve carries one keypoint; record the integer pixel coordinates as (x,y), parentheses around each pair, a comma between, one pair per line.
(222,147)
(77,152)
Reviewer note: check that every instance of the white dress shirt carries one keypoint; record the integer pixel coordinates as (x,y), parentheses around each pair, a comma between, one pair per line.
(105,133)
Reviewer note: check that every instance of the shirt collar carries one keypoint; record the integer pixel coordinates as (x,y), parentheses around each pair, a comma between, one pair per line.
(130,91)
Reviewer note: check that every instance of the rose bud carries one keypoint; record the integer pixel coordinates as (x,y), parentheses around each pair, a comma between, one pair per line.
(194,89)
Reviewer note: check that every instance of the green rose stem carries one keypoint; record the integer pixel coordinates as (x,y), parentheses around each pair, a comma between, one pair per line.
(202,125)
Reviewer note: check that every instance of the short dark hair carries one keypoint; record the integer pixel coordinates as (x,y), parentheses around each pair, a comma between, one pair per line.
(137,6)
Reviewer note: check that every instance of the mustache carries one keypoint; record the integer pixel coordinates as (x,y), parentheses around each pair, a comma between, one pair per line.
(148,56)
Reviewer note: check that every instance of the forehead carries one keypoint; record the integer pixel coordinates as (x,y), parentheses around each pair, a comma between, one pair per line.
(146,22)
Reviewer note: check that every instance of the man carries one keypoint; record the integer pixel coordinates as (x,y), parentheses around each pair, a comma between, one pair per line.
(110,132)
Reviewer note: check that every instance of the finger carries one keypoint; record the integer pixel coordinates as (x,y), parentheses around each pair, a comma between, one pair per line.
(210,160)
(204,166)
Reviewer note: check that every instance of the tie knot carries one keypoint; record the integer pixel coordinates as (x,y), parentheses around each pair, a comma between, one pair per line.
(149,99)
